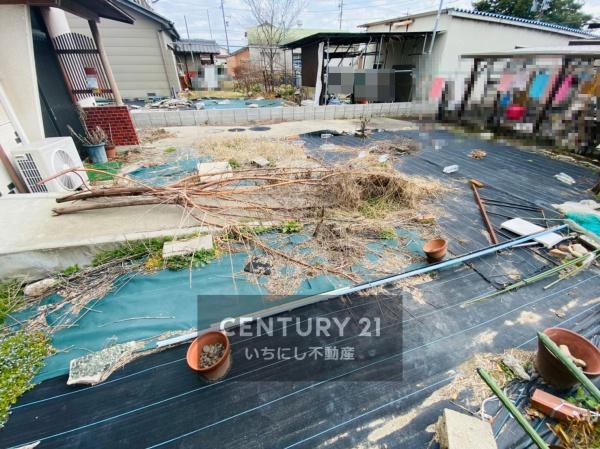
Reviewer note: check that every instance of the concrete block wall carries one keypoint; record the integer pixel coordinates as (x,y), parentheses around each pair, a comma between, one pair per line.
(245,117)
(117,123)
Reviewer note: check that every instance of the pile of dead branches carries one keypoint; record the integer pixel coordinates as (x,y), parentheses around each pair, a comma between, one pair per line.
(233,198)
(234,201)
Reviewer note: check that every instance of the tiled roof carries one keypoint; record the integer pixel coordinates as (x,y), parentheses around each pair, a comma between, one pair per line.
(197,46)
(521,20)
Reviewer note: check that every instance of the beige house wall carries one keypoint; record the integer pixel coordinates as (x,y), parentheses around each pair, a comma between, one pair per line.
(139,54)
(17,70)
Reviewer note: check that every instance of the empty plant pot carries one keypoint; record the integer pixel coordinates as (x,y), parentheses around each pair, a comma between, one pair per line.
(111,152)
(552,369)
(220,367)
(435,249)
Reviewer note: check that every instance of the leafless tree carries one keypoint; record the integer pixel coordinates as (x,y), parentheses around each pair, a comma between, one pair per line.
(274,19)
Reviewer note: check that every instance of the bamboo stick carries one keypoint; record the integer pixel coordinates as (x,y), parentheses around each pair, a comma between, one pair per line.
(514,411)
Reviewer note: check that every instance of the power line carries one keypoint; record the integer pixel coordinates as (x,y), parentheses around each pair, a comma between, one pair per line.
(225,26)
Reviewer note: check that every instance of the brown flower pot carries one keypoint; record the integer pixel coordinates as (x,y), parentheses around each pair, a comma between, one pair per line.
(435,249)
(221,367)
(111,151)
(552,369)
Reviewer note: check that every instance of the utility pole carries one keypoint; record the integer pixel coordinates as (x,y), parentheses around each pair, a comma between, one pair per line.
(225,26)
(435,27)
(341,12)
(209,27)
(188,36)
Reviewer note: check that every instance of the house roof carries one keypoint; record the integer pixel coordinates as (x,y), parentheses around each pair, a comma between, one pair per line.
(347,38)
(87,9)
(492,17)
(167,25)
(196,46)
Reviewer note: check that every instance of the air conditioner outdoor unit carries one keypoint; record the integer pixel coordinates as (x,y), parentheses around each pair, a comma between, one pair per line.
(44,158)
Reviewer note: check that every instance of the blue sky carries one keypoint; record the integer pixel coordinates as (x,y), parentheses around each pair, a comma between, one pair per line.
(318,14)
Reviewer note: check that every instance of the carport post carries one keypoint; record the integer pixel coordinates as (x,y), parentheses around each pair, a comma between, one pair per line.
(104,58)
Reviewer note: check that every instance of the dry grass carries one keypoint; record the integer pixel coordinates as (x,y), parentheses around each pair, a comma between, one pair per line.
(149,135)
(468,378)
(583,434)
(244,149)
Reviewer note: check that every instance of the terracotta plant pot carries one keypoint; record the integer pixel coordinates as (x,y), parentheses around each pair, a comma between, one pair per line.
(111,151)
(221,367)
(435,249)
(552,369)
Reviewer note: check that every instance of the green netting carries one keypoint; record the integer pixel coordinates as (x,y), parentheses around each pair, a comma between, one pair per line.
(110,167)
(143,306)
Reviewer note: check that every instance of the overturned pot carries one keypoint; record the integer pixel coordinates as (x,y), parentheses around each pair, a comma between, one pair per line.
(202,348)
(435,249)
(552,369)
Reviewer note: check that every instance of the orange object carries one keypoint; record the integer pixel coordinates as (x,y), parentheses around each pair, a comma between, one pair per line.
(435,249)
(220,368)
(556,407)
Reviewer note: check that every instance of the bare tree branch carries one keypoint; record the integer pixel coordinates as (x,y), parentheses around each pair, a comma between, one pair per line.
(274,18)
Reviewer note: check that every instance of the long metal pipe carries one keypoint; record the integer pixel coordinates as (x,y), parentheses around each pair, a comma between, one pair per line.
(309,300)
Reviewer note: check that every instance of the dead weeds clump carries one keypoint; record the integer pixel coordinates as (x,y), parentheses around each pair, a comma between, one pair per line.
(150,135)
(353,190)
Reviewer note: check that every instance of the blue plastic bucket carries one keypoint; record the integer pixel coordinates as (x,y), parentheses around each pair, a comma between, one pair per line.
(97,153)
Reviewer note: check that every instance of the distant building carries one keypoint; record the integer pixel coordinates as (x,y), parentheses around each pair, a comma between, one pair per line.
(140,55)
(459,31)
(256,53)
(197,63)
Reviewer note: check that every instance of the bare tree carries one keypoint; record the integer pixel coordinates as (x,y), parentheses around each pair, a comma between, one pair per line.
(274,19)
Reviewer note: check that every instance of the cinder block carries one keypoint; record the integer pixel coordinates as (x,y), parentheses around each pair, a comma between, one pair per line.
(320,112)
(309,113)
(187,118)
(172,118)
(277,114)
(287,114)
(329,112)
(201,117)
(157,119)
(185,247)
(264,114)
(459,431)
(228,117)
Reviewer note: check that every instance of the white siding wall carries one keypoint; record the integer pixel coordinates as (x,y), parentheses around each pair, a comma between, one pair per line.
(17,69)
(472,36)
(137,53)
(460,36)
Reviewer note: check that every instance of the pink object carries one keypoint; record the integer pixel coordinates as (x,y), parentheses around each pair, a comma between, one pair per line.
(505,82)
(563,90)
(515,112)
(437,86)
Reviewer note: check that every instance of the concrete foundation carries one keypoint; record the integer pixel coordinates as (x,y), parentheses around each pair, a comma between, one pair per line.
(37,244)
